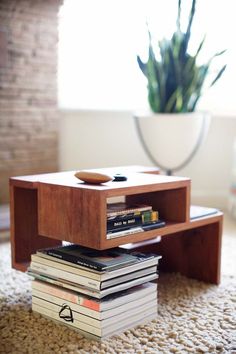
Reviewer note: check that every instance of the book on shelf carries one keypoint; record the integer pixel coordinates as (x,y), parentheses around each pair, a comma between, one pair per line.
(86,311)
(92,292)
(110,302)
(142,261)
(124,232)
(119,322)
(122,208)
(126,221)
(154,225)
(90,258)
(115,233)
(98,285)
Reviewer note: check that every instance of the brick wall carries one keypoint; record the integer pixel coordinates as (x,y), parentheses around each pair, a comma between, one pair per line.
(28,88)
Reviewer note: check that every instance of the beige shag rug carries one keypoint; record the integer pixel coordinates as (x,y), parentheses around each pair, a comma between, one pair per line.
(193,317)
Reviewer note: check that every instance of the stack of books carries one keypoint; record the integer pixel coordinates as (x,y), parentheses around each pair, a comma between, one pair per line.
(124,219)
(100,293)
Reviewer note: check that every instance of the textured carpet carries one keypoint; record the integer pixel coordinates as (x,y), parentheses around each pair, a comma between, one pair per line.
(193,317)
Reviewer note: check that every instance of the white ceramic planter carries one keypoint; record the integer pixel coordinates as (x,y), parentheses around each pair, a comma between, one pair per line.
(172,139)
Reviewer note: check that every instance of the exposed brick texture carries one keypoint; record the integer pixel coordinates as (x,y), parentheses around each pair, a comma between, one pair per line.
(28,88)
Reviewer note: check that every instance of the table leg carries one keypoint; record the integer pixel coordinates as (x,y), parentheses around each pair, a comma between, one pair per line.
(195,253)
(24,227)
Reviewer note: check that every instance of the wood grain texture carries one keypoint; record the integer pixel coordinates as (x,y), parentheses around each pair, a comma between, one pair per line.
(76,211)
(170,228)
(195,253)
(146,182)
(24,227)
(71,214)
(171,204)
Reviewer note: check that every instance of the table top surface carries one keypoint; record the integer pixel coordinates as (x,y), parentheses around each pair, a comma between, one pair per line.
(134,179)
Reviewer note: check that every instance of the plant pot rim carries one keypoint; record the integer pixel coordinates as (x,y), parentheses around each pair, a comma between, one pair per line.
(143,114)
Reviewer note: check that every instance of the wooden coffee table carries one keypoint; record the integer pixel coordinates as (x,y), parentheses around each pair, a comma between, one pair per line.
(47,209)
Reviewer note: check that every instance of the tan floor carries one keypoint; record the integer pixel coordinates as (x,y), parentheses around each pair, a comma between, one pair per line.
(194,317)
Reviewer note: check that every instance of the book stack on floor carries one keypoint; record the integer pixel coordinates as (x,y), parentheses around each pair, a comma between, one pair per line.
(100,293)
(124,219)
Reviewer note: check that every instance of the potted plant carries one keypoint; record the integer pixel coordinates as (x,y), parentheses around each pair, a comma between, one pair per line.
(175,83)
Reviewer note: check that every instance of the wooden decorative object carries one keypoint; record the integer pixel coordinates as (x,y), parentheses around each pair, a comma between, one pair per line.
(93,177)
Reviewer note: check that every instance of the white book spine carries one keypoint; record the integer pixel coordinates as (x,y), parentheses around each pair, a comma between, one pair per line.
(138,318)
(132,230)
(61,274)
(65,294)
(120,317)
(65,285)
(54,315)
(99,315)
(76,316)
(66,267)
(94,304)
(98,294)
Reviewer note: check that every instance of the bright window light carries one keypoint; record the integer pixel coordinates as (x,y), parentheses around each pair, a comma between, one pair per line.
(99,41)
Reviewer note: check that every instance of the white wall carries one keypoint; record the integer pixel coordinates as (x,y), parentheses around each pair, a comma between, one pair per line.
(92,139)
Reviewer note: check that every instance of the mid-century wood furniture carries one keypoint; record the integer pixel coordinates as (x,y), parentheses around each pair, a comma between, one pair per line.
(47,209)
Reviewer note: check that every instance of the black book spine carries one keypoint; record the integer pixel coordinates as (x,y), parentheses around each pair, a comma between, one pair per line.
(75,259)
(124,223)
(154,225)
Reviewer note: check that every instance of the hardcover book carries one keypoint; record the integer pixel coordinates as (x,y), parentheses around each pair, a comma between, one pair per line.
(126,221)
(142,261)
(90,258)
(88,282)
(122,208)
(109,302)
(92,292)
(97,323)
(121,232)
(97,315)
(116,323)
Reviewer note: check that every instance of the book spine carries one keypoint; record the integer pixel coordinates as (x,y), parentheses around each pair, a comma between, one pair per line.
(63,284)
(114,233)
(154,225)
(124,232)
(118,223)
(53,304)
(135,211)
(54,315)
(74,278)
(65,295)
(61,265)
(74,259)
(132,220)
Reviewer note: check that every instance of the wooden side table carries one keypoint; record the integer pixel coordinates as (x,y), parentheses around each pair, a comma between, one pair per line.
(47,209)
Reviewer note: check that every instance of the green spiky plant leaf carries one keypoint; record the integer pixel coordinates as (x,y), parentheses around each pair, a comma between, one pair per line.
(175,81)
